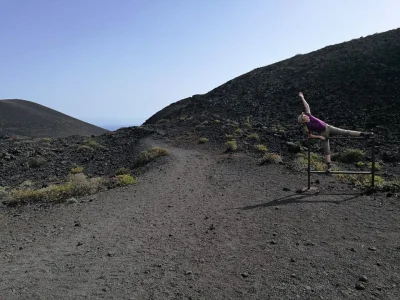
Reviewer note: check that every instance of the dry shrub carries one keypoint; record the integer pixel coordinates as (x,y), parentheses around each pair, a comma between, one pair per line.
(271,158)
(151,154)
(77,170)
(203,140)
(261,148)
(78,185)
(231,145)
(122,171)
(316,162)
(253,137)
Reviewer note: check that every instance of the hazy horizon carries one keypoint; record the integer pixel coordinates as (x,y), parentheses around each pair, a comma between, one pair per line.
(116,64)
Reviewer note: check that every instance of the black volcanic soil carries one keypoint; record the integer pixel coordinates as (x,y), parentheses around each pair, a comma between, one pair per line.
(353,85)
(40,160)
(206,225)
(28,119)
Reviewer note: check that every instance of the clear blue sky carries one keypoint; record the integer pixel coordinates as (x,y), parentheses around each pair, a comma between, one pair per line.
(117,62)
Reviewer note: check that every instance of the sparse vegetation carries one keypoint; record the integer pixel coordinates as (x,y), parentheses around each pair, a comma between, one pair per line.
(278,128)
(349,156)
(238,131)
(122,171)
(247,122)
(151,154)
(377,166)
(90,145)
(217,121)
(316,162)
(77,169)
(230,137)
(47,139)
(26,183)
(203,140)
(360,164)
(391,186)
(261,148)
(125,179)
(362,181)
(36,162)
(77,185)
(231,145)
(253,137)
(271,158)
(93,144)
(85,148)
(162,121)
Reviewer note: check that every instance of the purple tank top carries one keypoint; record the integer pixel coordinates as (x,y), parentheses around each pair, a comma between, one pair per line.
(315,124)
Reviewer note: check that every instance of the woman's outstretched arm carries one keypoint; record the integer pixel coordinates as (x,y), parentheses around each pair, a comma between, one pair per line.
(306,106)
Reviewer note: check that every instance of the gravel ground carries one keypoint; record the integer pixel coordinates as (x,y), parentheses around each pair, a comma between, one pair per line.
(206,225)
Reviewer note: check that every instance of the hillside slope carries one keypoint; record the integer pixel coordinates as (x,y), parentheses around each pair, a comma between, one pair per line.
(354,85)
(26,118)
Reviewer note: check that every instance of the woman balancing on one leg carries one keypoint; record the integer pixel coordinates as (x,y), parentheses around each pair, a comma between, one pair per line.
(314,125)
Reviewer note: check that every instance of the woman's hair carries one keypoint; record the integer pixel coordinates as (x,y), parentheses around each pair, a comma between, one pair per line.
(300,118)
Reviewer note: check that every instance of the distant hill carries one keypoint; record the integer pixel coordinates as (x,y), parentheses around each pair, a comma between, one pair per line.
(29,119)
(354,85)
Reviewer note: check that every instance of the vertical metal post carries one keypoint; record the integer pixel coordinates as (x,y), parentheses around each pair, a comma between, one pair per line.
(309,164)
(373,163)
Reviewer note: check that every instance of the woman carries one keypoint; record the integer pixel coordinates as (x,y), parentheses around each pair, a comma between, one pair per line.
(312,125)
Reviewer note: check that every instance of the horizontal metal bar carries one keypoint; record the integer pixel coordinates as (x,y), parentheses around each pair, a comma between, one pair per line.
(341,172)
(349,137)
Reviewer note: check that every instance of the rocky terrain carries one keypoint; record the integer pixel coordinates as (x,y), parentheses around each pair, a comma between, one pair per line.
(214,219)
(22,119)
(204,224)
(353,85)
(44,160)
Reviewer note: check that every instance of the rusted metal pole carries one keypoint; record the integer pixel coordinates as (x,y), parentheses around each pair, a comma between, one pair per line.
(372,172)
(309,164)
(373,163)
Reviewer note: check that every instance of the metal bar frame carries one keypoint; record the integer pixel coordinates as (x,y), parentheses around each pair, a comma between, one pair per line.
(372,172)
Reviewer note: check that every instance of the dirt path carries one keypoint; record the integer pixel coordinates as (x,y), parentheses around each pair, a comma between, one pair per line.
(205,227)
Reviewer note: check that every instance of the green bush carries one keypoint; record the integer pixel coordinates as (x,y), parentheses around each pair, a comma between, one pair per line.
(362,181)
(125,179)
(77,170)
(203,140)
(271,158)
(350,156)
(151,154)
(90,145)
(360,164)
(253,137)
(316,162)
(77,185)
(122,171)
(261,148)
(377,166)
(247,122)
(231,145)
